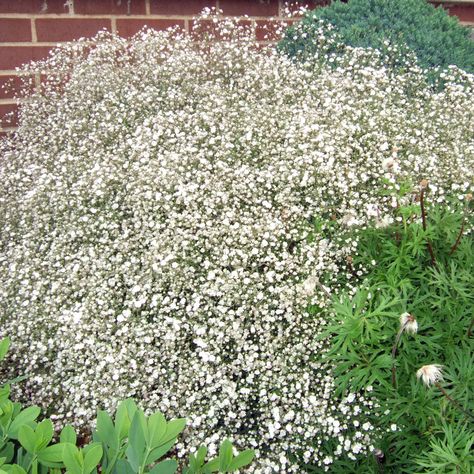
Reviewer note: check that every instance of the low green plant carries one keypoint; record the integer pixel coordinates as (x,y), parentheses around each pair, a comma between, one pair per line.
(129,443)
(437,39)
(450,452)
(405,336)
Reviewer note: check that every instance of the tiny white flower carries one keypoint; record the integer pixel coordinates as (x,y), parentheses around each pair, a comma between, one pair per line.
(309,285)
(390,165)
(382,222)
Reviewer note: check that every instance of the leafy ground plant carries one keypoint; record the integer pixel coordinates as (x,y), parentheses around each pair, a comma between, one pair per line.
(128,444)
(406,336)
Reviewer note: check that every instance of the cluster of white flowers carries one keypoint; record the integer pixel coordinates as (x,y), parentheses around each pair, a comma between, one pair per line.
(155,208)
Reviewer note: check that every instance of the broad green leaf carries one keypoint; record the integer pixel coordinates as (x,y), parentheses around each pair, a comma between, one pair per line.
(225,455)
(211,466)
(192,466)
(241,460)
(17,410)
(44,433)
(136,440)
(68,435)
(201,455)
(173,429)
(7,452)
(169,466)
(27,438)
(4,345)
(14,469)
(72,458)
(157,453)
(25,417)
(156,429)
(4,393)
(92,458)
(51,456)
(124,416)
(106,430)
(20,378)
(123,467)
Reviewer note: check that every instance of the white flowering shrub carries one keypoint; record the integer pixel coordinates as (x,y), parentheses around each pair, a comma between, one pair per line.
(158,228)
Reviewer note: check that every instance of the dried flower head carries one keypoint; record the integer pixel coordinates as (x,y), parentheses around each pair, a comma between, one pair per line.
(423,184)
(408,323)
(430,374)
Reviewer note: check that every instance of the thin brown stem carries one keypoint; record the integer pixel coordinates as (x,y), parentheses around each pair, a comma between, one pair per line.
(423,219)
(454,402)
(423,213)
(394,354)
(469,329)
(394,376)
(455,246)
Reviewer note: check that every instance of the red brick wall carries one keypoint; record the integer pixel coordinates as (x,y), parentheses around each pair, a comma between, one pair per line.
(30,28)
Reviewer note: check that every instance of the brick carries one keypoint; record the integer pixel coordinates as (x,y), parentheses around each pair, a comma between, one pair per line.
(209,27)
(12,57)
(181,7)
(128,28)
(68,29)
(33,6)
(10,120)
(9,86)
(249,7)
(465,13)
(110,7)
(294,6)
(14,30)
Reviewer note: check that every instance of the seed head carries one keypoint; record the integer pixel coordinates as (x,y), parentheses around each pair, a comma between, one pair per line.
(423,183)
(408,323)
(430,374)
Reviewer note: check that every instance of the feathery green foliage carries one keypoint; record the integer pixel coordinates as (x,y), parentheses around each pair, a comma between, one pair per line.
(425,270)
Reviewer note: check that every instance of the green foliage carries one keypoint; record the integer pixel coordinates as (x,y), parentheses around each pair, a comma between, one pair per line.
(426,429)
(225,462)
(451,452)
(130,443)
(437,39)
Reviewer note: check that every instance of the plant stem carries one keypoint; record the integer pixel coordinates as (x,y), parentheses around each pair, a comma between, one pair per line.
(394,353)
(454,402)
(423,219)
(423,213)
(469,330)
(455,246)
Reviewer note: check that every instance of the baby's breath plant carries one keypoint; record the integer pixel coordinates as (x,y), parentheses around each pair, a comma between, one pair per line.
(170,205)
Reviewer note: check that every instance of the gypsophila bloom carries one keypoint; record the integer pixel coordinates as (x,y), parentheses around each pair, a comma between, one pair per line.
(390,165)
(157,234)
(408,323)
(430,374)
